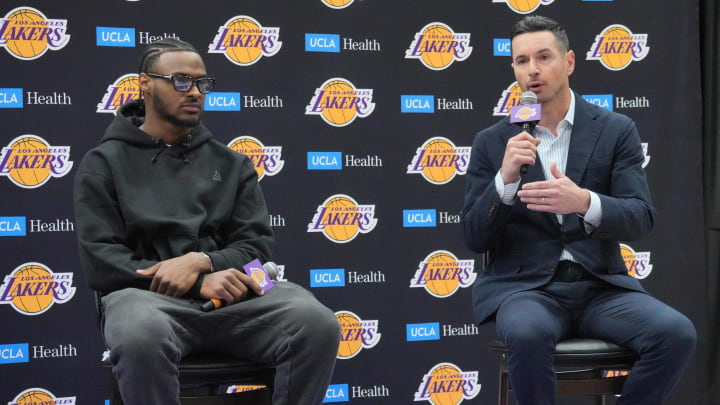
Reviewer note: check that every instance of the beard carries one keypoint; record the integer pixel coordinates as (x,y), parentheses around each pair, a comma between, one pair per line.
(161,108)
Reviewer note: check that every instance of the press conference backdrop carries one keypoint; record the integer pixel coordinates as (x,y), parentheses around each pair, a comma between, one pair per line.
(359,115)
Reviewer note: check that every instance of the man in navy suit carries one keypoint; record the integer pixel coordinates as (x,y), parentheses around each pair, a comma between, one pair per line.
(552,235)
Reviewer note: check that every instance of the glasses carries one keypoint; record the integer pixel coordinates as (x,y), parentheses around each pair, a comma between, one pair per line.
(184,83)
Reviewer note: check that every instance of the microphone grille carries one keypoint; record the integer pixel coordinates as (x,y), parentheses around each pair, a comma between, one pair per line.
(528,97)
(272,270)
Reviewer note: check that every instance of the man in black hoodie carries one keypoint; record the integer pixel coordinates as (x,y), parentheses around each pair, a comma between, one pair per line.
(166,215)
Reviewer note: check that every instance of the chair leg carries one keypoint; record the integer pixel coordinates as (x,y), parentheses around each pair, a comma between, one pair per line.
(503,388)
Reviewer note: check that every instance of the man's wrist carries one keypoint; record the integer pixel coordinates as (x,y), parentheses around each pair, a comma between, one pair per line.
(211,267)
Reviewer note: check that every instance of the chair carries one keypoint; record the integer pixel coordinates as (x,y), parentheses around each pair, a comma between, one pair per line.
(204,378)
(580,365)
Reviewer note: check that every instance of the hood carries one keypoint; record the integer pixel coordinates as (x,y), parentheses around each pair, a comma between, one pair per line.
(126,128)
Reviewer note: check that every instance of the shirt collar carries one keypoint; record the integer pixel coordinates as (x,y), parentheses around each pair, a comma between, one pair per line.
(570,116)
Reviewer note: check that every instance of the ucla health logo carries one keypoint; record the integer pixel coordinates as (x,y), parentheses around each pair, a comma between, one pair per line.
(501,47)
(439,160)
(222,102)
(637,263)
(336,393)
(616,47)
(602,100)
(355,334)
(337,4)
(30,161)
(12,226)
(324,160)
(32,396)
(338,102)
(441,274)
(437,46)
(447,384)
(244,41)
(11,98)
(123,90)
(524,6)
(417,103)
(27,34)
(422,331)
(510,98)
(114,36)
(14,353)
(322,43)
(327,278)
(32,288)
(340,218)
(267,159)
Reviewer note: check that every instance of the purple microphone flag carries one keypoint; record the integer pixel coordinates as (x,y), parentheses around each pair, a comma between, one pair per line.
(525,113)
(255,270)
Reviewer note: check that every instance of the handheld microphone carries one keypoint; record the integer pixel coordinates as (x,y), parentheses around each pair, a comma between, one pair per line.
(270,268)
(527,115)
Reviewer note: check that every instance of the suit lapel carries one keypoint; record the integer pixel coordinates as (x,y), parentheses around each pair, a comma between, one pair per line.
(585,134)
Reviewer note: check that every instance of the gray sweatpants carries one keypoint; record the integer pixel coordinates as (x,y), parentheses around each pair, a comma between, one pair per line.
(287,328)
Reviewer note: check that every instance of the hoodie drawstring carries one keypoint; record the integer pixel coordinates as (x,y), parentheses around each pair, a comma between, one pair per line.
(183,149)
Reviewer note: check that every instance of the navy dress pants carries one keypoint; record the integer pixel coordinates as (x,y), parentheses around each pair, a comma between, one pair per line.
(530,323)
(287,328)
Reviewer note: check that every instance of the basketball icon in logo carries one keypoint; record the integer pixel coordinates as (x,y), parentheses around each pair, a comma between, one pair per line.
(337,4)
(524,6)
(27,34)
(340,218)
(439,160)
(437,46)
(30,161)
(338,102)
(356,334)
(266,159)
(446,384)
(616,47)
(442,274)
(244,41)
(32,288)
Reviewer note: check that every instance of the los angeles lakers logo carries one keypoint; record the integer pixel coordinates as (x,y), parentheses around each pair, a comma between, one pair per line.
(441,274)
(446,384)
(525,113)
(337,4)
(32,288)
(524,6)
(36,396)
(356,334)
(267,159)
(338,102)
(510,98)
(637,263)
(437,46)
(27,34)
(340,218)
(244,41)
(29,161)
(616,47)
(123,90)
(439,160)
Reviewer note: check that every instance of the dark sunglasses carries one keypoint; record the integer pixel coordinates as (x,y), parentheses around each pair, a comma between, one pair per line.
(184,83)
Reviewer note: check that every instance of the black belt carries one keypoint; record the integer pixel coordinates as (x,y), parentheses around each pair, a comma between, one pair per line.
(568,272)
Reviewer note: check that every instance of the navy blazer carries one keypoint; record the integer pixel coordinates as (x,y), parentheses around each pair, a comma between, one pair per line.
(524,246)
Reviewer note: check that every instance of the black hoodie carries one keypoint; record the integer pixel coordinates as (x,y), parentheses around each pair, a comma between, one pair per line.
(139,201)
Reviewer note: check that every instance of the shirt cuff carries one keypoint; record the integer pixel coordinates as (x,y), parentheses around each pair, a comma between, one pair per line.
(506,191)
(593,216)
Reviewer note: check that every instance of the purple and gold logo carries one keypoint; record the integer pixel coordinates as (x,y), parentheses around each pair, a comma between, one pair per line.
(27,34)
(340,218)
(524,6)
(338,102)
(36,396)
(441,274)
(32,288)
(125,89)
(637,263)
(439,160)
(356,334)
(29,161)
(244,41)
(437,46)
(267,159)
(616,47)
(447,384)
(510,98)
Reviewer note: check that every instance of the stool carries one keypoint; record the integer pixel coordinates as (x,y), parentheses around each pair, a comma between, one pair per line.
(581,363)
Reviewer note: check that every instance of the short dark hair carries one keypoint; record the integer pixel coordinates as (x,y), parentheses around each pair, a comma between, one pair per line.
(537,23)
(154,50)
